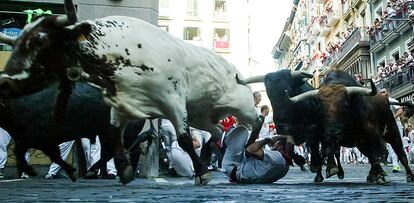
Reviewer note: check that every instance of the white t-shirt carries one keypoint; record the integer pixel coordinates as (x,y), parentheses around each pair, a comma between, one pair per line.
(265,130)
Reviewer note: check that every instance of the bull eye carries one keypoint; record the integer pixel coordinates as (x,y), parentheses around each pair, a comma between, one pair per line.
(37,41)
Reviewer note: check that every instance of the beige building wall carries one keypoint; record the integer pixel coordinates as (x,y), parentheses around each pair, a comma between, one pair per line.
(173,16)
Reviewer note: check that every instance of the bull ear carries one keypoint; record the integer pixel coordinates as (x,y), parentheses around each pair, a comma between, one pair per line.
(79,32)
(70,18)
(7,39)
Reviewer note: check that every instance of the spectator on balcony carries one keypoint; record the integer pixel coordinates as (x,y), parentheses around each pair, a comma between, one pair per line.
(405,56)
(400,65)
(371,33)
(404,8)
(377,29)
(390,18)
(410,59)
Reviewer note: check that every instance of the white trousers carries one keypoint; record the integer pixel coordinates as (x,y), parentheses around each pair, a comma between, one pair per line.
(391,152)
(181,161)
(4,141)
(92,155)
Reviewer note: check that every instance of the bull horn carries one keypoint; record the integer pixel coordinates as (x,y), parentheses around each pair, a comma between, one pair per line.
(7,39)
(303,96)
(254,79)
(363,91)
(300,75)
(70,18)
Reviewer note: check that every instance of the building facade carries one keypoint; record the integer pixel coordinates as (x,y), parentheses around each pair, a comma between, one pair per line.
(344,34)
(221,26)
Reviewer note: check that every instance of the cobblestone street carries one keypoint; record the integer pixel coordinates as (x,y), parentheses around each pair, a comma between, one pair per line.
(297,186)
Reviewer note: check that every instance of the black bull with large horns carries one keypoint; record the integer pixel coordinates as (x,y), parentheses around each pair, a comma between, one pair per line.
(355,116)
(295,119)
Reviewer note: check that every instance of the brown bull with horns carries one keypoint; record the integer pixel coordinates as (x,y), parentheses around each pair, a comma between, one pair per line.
(355,116)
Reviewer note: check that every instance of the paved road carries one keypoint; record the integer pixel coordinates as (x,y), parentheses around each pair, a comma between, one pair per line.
(297,186)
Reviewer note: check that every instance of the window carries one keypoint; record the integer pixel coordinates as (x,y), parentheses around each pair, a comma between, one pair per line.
(382,63)
(165,27)
(221,38)
(378,11)
(220,9)
(192,33)
(164,4)
(164,8)
(396,56)
(192,8)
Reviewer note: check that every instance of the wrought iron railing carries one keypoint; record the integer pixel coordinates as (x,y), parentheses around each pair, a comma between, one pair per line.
(397,79)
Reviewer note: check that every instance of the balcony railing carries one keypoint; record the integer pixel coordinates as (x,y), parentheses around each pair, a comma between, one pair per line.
(357,37)
(385,36)
(397,79)
(346,8)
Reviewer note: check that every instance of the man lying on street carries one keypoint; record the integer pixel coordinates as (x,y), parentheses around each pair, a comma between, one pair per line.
(254,164)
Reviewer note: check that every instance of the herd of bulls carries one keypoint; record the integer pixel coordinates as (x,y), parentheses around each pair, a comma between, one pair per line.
(143,72)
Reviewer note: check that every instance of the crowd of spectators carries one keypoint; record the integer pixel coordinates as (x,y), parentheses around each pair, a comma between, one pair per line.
(388,21)
(406,62)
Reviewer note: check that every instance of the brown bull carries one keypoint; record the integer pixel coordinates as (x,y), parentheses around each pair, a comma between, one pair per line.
(356,116)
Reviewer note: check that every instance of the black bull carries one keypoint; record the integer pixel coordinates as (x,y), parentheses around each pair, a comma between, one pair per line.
(29,120)
(356,116)
(297,120)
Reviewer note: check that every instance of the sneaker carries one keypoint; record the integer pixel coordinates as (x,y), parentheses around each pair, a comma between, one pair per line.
(1,173)
(109,176)
(24,176)
(396,169)
(50,176)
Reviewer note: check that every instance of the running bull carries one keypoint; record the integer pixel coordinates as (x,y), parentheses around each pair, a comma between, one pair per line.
(356,116)
(143,71)
(295,119)
(29,120)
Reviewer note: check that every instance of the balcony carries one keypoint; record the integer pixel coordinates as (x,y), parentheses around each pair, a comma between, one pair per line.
(325,31)
(398,81)
(356,40)
(331,60)
(389,36)
(372,1)
(333,19)
(221,44)
(346,10)
(355,3)
(376,46)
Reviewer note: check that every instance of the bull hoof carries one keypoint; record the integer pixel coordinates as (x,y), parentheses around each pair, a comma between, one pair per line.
(318,179)
(127,175)
(340,175)
(410,179)
(312,169)
(379,180)
(72,177)
(331,171)
(30,171)
(203,179)
(91,175)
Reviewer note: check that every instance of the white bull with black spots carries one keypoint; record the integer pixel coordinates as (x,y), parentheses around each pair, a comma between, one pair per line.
(144,72)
